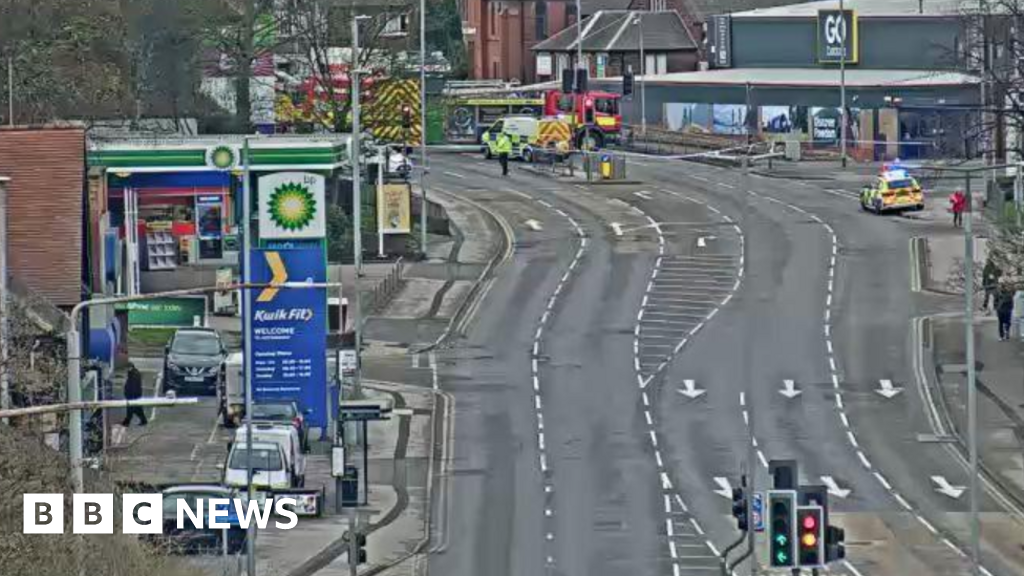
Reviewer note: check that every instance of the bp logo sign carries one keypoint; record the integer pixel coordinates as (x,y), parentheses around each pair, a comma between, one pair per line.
(221,157)
(291,205)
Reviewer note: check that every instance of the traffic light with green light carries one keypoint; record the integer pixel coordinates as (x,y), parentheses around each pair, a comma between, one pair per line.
(781,528)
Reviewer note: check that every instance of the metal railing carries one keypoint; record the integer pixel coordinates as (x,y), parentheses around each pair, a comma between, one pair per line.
(386,288)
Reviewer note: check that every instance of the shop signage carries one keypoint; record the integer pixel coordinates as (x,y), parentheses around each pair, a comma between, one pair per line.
(170,312)
(291,205)
(825,124)
(837,36)
(544,64)
(393,208)
(222,157)
(719,39)
(288,332)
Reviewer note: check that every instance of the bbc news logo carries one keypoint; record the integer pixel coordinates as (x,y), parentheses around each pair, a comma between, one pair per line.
(144,513)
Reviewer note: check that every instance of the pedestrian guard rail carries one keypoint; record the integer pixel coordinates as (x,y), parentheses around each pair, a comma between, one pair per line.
(602,165)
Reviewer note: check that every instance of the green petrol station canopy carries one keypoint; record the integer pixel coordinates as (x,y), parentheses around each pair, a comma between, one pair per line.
(213,152)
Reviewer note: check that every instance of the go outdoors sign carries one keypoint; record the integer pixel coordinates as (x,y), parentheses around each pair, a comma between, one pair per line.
(837,36)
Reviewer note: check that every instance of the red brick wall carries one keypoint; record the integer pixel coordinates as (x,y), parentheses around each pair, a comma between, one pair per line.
(46,167)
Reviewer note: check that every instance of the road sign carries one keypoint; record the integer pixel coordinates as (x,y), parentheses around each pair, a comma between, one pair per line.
(758,511)
(289,331)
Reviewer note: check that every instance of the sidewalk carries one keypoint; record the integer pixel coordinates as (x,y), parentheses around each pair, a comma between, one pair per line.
(1000,375)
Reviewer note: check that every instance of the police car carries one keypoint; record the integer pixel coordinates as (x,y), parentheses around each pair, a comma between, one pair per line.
(894,189)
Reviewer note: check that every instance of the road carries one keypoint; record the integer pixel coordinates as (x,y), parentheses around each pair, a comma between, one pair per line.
(642,337)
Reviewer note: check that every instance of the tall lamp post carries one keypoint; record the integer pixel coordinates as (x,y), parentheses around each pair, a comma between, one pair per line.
(423,128)
(842,87)
(638,20)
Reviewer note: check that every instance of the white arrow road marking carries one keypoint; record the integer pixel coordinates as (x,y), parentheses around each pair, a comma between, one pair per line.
(702,241)
(885,388)
(642,194)
(833,487)
(617,228)
(789,389)
(691,391)
(724,488)
(944,487)
(533,225)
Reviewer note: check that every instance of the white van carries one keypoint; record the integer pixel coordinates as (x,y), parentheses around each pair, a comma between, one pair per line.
(270,470)
(285,436)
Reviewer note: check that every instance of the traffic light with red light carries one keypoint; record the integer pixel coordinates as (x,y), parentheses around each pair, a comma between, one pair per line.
(811,530)
(781,528)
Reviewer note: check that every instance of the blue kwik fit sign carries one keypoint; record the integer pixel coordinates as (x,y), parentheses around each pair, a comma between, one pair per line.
(289,331)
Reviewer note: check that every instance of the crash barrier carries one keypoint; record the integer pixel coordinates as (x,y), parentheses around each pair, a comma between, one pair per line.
(557,161)
(602,165)
(386,287)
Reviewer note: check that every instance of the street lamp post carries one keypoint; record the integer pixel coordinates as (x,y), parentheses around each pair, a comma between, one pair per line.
(247,346)
(5,392)
(639,21)
(423,128)
(842,88)
(357,201)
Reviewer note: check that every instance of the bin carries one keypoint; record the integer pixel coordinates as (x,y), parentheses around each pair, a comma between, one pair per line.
(350,487)
(606,166)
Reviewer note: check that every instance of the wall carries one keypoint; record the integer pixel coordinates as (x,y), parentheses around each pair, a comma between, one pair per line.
(894,43)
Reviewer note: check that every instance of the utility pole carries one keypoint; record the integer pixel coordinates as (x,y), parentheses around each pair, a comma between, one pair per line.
(643,79)
(972,382)
(357,208)
(986,128)
(842,87)
(5,368)
(423,126)
(10,91)
(250,539)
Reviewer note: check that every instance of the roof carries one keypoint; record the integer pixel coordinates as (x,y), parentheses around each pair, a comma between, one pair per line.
(815,77)
(613,31)
(706,8)
(862,7)
(592,6)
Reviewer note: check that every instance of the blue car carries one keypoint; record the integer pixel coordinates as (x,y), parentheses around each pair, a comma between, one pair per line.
(191,540)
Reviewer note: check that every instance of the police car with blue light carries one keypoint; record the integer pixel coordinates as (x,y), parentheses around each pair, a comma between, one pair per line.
(893,190)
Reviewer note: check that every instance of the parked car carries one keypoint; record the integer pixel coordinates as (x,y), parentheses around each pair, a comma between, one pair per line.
(285,436)
(192,540)
(194,361)
(283,413)
(271,471)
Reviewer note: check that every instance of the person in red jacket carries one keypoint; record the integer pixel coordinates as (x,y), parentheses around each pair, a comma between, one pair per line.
(958,202)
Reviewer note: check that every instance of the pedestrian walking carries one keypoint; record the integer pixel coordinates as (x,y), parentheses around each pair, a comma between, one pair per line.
(503,147)
(133,391)
(958,203)
(1004,310)
(990,283)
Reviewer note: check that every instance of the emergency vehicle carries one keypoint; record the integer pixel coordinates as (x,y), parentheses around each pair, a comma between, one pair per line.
(894,189)
(527,134)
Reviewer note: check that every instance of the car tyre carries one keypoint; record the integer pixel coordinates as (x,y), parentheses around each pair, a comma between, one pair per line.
(487,153)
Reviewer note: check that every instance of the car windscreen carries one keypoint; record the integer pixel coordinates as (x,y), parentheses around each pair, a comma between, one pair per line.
(268,459)
(607,106)
(204,343)
(171,500)
(273,412)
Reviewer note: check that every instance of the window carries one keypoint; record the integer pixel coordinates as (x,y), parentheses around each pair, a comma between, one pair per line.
(396,26)
(565,103)
(659,5)
(609,106)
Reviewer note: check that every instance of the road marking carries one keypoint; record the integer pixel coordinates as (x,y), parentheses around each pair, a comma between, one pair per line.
(724,487)
(642,194)
(789,389)
(617,228)
(690,390)
(942,486)
(724,185)
(886,389)
(456,175)
(533,225)
(833,487)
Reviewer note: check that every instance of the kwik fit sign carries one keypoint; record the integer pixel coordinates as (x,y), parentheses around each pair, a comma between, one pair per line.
(837,36)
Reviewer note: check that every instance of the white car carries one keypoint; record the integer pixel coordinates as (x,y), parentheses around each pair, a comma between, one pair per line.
(285,436)
(270,471)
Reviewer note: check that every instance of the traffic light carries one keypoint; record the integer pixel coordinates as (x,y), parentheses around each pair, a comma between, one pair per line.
(360,548)
(781,528)
(811,530)
(627,83)
(406,116)
(567,80)
(582,75)
(835,543)
(739,509)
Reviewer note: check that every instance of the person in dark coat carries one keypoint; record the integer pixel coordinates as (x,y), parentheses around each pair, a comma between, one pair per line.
(990,283)
(133,391)
(1004,311)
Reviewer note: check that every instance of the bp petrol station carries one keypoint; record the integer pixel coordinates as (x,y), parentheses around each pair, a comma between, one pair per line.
(168,215)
